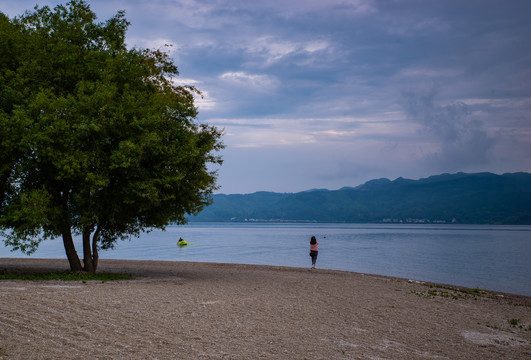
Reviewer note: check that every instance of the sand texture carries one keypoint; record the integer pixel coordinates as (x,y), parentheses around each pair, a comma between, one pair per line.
(180,310)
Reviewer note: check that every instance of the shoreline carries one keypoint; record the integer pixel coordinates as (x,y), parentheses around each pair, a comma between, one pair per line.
(13,265)
(176,309)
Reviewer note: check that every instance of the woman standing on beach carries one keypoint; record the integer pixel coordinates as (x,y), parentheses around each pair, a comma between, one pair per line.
(313,250)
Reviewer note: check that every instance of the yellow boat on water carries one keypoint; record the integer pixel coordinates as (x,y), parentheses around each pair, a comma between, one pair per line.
(181,242)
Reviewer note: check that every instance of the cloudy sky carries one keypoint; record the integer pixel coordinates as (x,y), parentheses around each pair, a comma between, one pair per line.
(332,93)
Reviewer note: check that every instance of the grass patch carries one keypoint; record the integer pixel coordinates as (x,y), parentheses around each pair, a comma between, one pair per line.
(66,276)
(513,322)
(449,292)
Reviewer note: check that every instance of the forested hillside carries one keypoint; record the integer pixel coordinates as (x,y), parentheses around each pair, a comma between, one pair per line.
(481,198)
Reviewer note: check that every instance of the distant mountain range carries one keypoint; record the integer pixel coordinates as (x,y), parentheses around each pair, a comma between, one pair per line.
(481,198)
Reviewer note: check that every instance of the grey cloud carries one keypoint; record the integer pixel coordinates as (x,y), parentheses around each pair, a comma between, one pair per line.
(312,61)
(463,139)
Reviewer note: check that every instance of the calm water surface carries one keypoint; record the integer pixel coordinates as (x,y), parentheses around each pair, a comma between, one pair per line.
(487,257)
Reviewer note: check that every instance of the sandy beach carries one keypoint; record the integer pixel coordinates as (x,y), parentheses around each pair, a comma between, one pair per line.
(183,310)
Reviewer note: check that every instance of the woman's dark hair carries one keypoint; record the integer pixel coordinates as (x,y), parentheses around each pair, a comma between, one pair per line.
(313,241)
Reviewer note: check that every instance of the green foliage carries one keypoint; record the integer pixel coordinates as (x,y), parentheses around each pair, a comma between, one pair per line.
(95,137)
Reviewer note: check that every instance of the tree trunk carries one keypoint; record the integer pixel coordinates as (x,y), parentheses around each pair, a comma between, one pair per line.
(71,253)
(68,242)
(95,256)
(90,253)
(87,252)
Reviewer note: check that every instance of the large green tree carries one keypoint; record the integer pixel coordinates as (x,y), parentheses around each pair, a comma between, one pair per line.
(97,140)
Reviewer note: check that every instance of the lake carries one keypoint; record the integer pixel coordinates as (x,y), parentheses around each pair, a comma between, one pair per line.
(482,256)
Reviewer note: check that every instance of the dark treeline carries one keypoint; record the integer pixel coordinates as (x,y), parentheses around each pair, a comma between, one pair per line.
(481,198)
